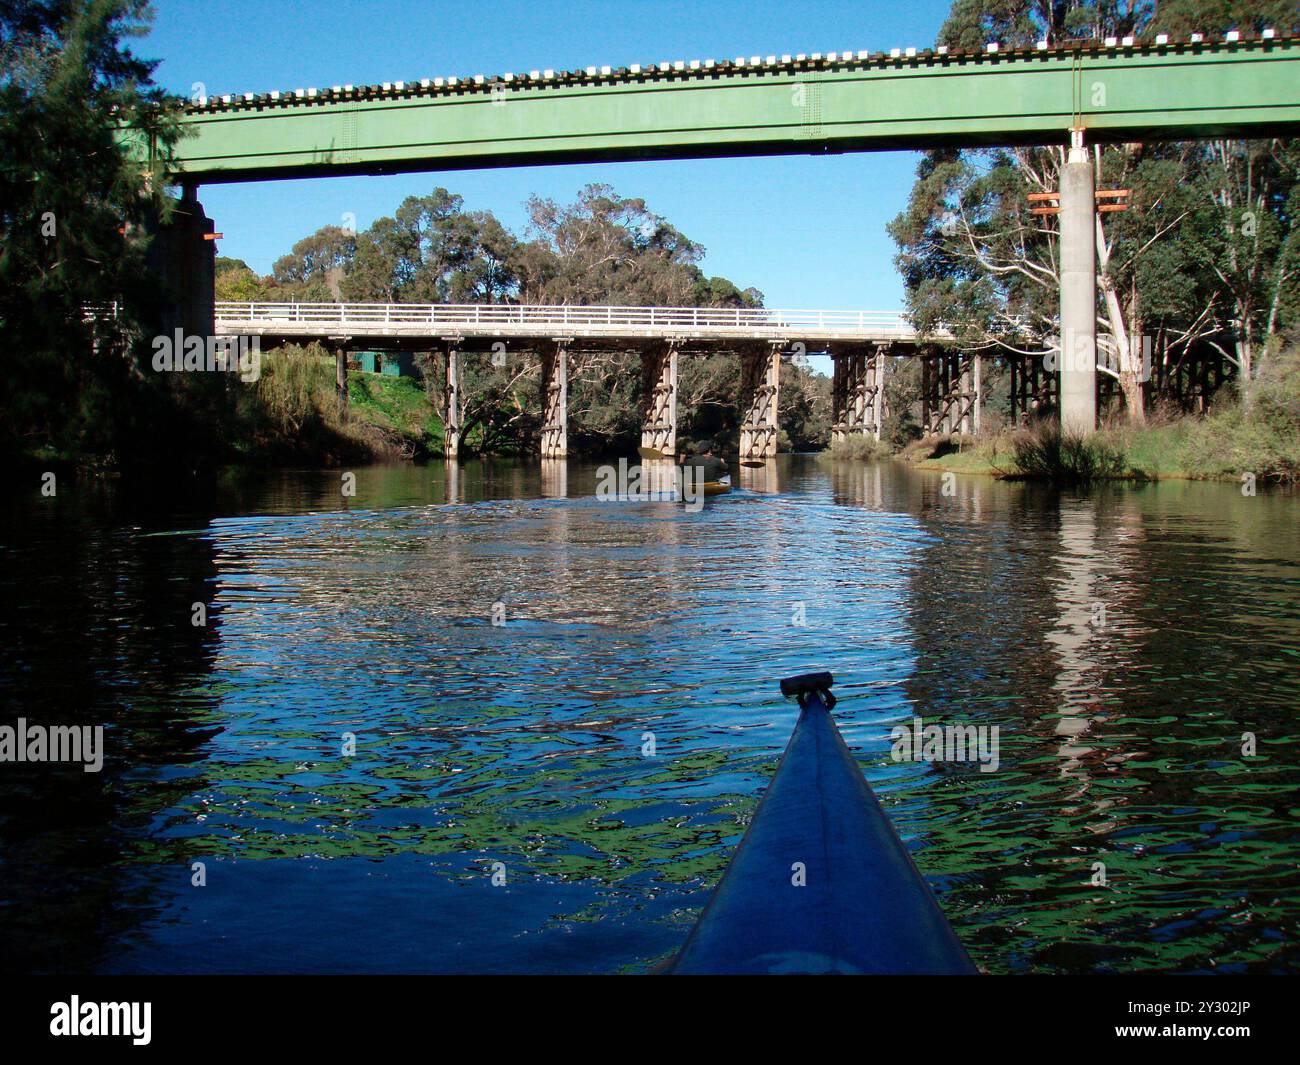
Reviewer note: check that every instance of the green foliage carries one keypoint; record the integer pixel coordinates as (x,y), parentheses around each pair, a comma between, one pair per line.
(1046,453)
(804,410)
(1206,259)
(295,384)
(293,412)
(236,281)
(1265,441)
(859,448)
(608,249)
(399,405)
(74,211)
(313,271)
(902,400)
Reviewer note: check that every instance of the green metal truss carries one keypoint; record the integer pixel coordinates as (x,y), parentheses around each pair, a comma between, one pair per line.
(779,105)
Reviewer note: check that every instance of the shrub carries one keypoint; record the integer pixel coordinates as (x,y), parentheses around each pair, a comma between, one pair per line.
(1048,454)
(1266,441)
(858,448)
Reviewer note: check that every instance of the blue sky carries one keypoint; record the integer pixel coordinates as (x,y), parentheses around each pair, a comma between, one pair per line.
(808,232)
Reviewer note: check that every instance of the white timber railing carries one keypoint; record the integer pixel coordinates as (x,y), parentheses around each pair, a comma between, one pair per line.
(451,315)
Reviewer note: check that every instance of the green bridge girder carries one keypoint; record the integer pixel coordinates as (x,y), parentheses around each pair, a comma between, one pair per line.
(792,105)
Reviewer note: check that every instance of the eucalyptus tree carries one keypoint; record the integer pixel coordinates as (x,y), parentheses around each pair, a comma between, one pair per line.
(1204,256)
(313,271)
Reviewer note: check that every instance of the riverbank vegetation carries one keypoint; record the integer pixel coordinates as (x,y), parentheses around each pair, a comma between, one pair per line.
(1229,441)
(603,248)
(75,218)
(1200,273)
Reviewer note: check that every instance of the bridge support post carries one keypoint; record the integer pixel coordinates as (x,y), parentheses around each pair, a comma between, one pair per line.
(555,400)
(182,258)
(760,387)
(929,395)
(858,393)
(965,419)
(341,379)
(951,393)
(659,398)
(1015,376)
(857,417)
(1031,388)
(451,404)
(839,396)
(1078,350)
(874,389)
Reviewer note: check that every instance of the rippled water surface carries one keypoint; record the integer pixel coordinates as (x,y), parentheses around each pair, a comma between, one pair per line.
(1123,641)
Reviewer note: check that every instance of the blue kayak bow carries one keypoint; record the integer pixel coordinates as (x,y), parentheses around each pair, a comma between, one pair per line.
(821,883)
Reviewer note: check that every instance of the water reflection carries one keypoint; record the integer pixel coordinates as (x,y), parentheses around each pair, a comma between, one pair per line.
(506,648)
(758,475)
(555,478)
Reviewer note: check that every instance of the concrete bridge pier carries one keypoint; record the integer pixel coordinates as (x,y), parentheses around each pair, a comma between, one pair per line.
(182,257)
(659,398)
(451,402)
(555,400)
(760,388)
(1078,351)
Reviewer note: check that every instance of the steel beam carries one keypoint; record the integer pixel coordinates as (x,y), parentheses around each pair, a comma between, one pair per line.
(838,102)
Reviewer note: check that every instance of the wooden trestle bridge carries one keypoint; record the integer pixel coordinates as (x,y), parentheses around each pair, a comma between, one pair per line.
(859,343)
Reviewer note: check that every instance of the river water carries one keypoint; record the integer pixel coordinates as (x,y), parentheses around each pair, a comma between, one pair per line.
(606,740)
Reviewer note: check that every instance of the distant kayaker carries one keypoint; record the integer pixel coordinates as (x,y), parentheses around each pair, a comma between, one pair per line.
(713,468)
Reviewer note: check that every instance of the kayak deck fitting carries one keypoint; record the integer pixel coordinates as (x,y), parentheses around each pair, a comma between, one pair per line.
(862,906)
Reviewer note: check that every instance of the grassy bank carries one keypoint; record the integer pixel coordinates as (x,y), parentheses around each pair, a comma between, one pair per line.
(1220,447)
(292,414)
(1261,437)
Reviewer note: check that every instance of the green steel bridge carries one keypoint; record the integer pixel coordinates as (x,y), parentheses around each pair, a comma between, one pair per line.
(757,105)
(1072,92)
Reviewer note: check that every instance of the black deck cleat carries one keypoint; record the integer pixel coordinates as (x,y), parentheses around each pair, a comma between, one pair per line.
(809,684)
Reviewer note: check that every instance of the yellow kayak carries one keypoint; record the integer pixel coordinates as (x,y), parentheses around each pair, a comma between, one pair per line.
(717,488)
